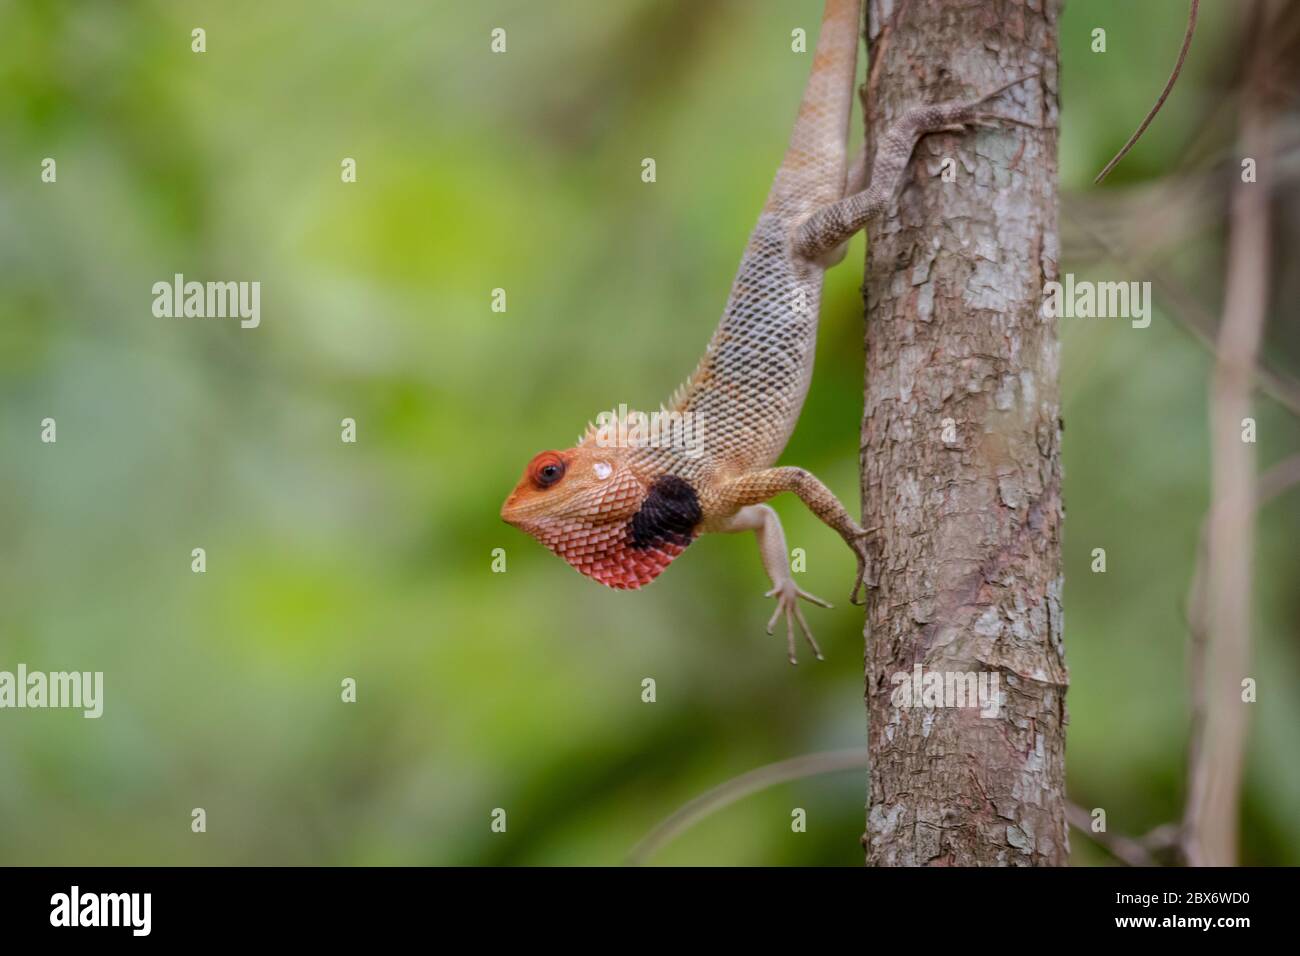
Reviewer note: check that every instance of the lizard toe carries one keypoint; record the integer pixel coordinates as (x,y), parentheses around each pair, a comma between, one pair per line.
(787,597)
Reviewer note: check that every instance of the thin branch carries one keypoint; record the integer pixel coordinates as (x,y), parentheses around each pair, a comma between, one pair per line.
(1280,478)
(1215,770)
(1164,94)
(725,794)
(1125,849)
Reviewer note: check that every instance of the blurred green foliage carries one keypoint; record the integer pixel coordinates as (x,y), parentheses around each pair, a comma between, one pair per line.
(481,690)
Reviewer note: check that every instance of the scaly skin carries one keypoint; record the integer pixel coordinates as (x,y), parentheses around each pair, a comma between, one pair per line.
(620,511)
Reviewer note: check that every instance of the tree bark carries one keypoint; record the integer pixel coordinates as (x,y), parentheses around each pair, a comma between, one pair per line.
(961,468)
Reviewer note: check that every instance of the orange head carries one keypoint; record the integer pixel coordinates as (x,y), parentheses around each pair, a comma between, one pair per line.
(586,505)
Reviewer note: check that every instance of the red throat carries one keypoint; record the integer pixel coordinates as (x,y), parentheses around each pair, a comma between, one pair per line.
(606,553)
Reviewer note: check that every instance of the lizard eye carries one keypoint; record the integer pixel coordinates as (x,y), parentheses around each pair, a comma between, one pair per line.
(547,470)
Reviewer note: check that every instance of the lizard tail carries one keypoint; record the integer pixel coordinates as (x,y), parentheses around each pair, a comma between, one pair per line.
(812,172)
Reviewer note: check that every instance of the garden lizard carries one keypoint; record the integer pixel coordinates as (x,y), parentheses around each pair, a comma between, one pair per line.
(621,511)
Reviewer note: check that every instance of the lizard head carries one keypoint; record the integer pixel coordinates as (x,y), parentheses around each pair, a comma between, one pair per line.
(588,506)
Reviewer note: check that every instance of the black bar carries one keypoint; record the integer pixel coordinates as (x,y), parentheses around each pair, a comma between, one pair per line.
(337,905)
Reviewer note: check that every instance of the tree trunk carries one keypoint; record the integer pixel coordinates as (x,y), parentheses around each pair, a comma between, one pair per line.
(961,468)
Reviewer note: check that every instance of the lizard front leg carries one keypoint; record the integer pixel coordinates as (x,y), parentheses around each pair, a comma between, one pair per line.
(759,486)
(765,524)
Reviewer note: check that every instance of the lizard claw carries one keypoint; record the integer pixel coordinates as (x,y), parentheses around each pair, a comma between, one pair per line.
(787,596)
(995,121)
(955,116)
(1004,87)
(859,546)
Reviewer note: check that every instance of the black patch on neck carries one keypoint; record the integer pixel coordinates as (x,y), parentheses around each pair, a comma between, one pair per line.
(669,513)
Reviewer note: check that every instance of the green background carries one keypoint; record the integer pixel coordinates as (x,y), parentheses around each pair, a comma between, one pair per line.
(373,561)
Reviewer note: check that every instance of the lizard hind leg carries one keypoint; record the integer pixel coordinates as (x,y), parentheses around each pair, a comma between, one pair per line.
(855,180)
(832,224)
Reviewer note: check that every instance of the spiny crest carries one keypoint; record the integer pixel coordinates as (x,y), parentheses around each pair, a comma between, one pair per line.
(616,421)
(678,396)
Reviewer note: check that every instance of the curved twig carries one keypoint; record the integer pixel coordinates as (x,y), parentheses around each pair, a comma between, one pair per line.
(1164,94)
(1134,852)
(724,794)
